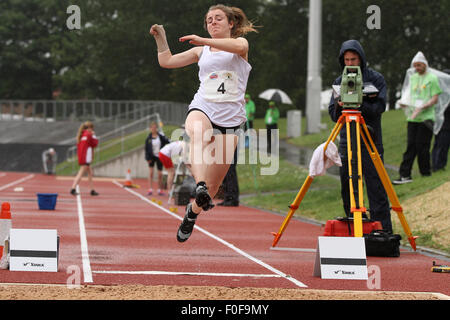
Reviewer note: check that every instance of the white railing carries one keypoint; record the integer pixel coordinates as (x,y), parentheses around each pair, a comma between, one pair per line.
(96,110)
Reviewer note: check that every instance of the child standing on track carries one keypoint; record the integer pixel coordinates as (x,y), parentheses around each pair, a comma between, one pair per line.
(218,104)
(86,142)
(153,144)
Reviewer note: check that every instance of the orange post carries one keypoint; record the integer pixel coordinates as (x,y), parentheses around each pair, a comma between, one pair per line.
(5,225)
(128,182)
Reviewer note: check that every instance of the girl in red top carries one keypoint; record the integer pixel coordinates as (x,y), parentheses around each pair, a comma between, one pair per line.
(86,142)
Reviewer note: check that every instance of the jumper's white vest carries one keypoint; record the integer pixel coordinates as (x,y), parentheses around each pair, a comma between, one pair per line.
(223,81)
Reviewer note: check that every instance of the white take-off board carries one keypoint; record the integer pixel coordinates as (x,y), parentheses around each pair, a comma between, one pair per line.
(33,250)
(341,258)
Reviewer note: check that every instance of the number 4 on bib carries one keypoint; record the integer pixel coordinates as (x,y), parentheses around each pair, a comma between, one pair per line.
(221,86)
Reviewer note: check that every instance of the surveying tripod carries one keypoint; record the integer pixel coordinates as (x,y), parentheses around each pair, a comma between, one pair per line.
(354,122)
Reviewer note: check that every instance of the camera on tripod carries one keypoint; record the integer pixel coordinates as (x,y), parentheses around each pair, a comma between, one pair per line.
(352,87)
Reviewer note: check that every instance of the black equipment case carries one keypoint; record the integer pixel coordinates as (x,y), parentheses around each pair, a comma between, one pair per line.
(380,243)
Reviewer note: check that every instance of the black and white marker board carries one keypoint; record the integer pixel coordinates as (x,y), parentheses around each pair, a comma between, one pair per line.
(341,258)
(34,250)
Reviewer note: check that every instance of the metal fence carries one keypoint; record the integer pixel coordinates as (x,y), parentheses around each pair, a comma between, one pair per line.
(97,110)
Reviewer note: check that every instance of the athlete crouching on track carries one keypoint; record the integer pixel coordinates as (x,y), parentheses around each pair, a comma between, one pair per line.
(219,103)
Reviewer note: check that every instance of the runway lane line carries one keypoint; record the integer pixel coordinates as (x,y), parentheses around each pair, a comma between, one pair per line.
(209,234)
(87,272)
(293,249)
(6,186)
(181,273)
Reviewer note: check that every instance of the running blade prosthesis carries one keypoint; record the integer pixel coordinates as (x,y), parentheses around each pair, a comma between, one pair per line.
(439,268)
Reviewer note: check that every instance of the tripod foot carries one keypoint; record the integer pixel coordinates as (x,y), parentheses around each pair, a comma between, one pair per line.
(277,237)
(412,242)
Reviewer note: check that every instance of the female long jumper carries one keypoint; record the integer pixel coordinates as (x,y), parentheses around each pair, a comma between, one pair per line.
(218,107)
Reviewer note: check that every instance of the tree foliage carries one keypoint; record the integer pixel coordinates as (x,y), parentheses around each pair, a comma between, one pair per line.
(112,56)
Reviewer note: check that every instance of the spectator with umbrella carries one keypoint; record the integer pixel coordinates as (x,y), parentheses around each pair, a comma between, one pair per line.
(273,114)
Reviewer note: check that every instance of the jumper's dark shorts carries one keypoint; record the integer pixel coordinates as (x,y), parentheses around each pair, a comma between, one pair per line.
(222,130)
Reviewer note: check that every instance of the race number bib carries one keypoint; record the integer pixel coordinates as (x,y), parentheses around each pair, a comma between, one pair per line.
(221,86)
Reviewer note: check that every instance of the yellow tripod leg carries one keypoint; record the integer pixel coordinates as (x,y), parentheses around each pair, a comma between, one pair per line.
(384,177)
(301,194)
(293,207)
(357,212)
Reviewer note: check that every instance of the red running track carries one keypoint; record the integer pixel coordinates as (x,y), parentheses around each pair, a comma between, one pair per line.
(126,237)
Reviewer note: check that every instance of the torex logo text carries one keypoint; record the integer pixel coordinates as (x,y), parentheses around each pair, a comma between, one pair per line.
(344,272)
(32,264)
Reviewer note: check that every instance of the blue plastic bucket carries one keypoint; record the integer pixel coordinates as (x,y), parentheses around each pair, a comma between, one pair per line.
(47,201)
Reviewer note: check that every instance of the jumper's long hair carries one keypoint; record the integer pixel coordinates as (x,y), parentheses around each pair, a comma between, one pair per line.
(84,126)
(241,25)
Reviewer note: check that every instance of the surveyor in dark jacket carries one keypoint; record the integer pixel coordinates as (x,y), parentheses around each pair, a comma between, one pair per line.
(372,107)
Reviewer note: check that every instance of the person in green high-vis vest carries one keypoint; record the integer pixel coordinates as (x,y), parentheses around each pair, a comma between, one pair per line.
(424,91)
(271,120)
(250,110)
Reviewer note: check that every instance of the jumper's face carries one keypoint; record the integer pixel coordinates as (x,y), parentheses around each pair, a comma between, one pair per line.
(217,24)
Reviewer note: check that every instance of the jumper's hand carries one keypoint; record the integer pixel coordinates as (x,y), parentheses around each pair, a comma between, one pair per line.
(158,32)
(193,39)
